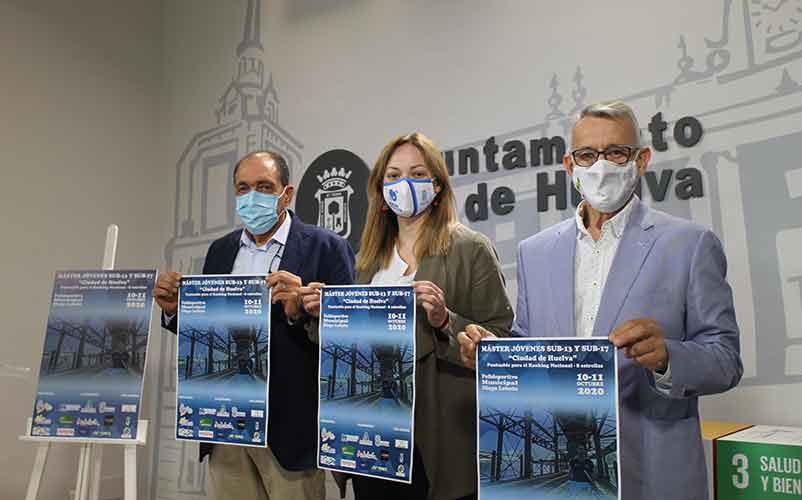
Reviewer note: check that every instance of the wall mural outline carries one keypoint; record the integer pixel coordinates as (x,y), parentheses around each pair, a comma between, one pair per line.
(741,133)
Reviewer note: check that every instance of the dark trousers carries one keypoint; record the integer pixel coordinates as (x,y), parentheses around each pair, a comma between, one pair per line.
(366,488)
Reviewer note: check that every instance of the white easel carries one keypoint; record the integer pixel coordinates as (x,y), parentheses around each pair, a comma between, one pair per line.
(87,484)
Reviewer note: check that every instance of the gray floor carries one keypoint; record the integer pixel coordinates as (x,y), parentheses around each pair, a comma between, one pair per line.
(333,493)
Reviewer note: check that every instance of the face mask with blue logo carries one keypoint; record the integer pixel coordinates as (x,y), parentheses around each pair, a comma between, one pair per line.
(258,211)
(407,197)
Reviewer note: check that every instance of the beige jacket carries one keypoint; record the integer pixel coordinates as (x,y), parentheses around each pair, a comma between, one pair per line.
(445,404)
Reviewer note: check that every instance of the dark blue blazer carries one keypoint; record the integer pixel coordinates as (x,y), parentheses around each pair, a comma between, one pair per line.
(314,254)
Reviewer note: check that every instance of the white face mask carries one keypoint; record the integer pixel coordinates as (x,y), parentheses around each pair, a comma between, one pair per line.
(605,185)
(407,197)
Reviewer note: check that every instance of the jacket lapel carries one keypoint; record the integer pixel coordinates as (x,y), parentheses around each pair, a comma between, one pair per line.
(292,258)
(229,255)
(635,245)
(433,269)
(561,281)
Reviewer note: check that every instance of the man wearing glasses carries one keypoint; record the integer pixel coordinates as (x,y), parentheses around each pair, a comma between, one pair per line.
(273,242)
(654,284)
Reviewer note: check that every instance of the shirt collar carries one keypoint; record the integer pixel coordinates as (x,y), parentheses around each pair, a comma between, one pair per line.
(397,267)
(280,236)
(397,264)
(617,224)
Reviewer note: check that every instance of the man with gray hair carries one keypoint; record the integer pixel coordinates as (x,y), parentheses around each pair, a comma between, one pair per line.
(654,284)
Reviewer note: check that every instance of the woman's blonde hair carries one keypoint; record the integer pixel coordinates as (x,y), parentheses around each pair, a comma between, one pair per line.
(381,227)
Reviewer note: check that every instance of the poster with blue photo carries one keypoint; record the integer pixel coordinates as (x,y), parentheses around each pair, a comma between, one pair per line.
(547,419)
(93,361)
(367,374)
(223,359)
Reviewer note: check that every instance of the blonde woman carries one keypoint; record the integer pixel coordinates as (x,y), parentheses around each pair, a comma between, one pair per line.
(412,237)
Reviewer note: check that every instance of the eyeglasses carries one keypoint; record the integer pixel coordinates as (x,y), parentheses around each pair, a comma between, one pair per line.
(616,153)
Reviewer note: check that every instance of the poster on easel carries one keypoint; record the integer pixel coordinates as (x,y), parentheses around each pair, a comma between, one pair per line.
(94,356)
(366,409)
(223,359)
(547,419)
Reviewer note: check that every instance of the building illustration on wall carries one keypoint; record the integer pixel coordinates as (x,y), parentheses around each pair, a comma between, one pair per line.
(246,118)
(743,84)
(744,87)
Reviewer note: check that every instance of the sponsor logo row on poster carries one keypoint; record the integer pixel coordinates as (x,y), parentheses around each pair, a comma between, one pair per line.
(229,424)
(373,451)
(87,420)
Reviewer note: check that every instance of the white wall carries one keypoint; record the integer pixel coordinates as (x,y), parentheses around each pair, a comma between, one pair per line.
(352,74)
(355,74)
(99,103)
(79,149)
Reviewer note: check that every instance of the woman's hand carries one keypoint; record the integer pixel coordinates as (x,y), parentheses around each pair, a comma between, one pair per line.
(469,342)
(433,300)
(310,298)
(165,292)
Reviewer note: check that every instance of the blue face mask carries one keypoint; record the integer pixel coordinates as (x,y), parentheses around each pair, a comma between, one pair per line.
(258,211)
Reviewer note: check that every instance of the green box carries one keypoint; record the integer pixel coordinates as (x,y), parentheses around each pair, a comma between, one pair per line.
(759,463)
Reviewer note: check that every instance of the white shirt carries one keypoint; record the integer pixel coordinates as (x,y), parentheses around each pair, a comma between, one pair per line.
(253,259)
(393,274)
(592,265)
(591,268)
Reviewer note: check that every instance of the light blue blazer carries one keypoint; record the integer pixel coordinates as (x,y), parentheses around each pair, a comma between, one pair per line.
(670,270)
